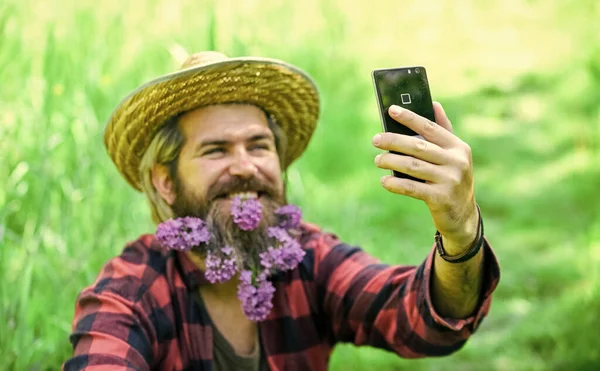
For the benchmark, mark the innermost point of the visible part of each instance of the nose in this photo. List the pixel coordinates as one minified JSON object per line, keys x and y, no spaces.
{"x":242,"y":165}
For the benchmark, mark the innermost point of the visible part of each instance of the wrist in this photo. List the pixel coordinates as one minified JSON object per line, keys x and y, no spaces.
{"x":455,"y":248}
{"x":457,"y":243}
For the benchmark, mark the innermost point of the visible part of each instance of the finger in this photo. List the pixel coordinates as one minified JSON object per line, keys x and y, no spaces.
{"x":426,"y":128}
{"x":441,"y":118}
{"x":411,"y":166}
{"x":412,"y":146}
{"x":407,"y":187}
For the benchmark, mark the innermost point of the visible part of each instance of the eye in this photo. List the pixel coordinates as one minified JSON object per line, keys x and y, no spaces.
{"x":256,"y":147}
{"x":213,"y":151}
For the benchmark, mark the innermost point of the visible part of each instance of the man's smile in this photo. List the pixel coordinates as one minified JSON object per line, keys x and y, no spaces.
{"x":243,"y":195}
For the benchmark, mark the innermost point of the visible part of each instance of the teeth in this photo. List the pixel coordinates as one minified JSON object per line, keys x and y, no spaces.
{"x":244,"y":195}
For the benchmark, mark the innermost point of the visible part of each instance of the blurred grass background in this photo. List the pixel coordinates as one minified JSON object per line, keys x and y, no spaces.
{"x":519,"y":78}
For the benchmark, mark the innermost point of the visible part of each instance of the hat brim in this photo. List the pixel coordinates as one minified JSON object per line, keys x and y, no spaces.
{"x":284,"y":91}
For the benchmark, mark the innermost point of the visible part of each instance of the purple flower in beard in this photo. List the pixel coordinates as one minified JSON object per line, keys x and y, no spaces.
{"x":279,"y":234}
{"x":182,"y":233}
{"x":289,"y":216}
{"x":246,"y":213}
{"x":271,"y":258}
{"x":220,"y":267}
{"x":257,"y":298}
{"x":286,"y":256}
{"x":282,"y":258}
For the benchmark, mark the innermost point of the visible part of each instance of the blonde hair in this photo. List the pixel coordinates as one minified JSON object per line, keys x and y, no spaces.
{"x":165,"y":149}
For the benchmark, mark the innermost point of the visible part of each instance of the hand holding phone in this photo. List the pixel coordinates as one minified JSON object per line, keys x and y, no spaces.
{"x":430,"y":163}
{"x":406,"y":87}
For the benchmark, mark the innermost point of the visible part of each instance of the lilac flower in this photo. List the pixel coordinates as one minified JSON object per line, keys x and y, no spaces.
{"x":286,"y":256}
{"x":246,"y":213}
{"x":282,"y":258}
{"x":280,"y":234}
{"x":291,"y":255}
{"x":289,"y":216}
{"x":182,"y":233}
{"x":220,"y":268}
{"x":271,"y":258}
{"x":257,"y":298}
{"x":246,"y":277}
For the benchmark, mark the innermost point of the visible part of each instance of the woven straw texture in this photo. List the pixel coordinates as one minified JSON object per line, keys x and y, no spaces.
{"x":284,"y":91}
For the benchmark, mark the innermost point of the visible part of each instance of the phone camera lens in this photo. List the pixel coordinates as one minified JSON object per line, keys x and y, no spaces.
{"x":417,"y":70}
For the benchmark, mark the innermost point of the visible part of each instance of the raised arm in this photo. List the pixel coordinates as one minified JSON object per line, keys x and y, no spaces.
{"x":391,"y":307}
{"x":444,"y":162}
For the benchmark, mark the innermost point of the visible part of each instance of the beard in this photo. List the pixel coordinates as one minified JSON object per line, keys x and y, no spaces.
{"x":246,"y":245}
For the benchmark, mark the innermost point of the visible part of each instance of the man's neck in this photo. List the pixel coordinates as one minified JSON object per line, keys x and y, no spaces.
{"x":226,"y":290}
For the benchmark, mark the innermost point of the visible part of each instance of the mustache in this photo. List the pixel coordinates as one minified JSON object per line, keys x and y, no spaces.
{"x":237,"y":185}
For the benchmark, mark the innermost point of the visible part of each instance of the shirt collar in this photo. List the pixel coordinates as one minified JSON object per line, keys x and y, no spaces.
{"x":193,"y":276}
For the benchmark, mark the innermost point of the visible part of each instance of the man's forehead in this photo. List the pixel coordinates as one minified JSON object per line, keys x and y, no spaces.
{"x":225,"y":121}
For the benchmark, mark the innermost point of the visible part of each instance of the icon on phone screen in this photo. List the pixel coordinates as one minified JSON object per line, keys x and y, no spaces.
{"x":405,"y":98}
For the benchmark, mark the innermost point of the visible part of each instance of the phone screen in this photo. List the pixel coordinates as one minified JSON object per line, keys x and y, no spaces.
{"x":404,"y":87}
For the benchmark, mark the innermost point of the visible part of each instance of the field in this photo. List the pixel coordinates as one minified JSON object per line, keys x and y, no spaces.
{"x":519,"y":79}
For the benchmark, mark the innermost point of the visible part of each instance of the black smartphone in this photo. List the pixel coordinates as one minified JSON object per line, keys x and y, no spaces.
{"x":406,"y":87}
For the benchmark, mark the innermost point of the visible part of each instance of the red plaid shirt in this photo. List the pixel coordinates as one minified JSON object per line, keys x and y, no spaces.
{"x":140,"y":313}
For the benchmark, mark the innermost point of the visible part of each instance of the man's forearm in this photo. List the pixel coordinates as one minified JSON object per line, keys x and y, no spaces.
{"x":456,"y":287}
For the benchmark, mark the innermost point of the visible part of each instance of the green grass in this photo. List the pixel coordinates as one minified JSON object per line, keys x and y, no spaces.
{"x":520,"y":81}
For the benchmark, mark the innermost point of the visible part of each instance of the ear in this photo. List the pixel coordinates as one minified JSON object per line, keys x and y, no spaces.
{"x":163,"y":183}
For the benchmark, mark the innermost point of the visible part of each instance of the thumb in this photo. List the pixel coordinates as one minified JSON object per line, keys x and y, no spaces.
{"x":440,"y":117}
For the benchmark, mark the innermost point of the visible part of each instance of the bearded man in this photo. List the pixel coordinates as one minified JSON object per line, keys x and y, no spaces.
{"x":220,"y":133}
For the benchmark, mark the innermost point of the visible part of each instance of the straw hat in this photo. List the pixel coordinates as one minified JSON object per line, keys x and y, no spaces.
{"x":287,"y":93}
